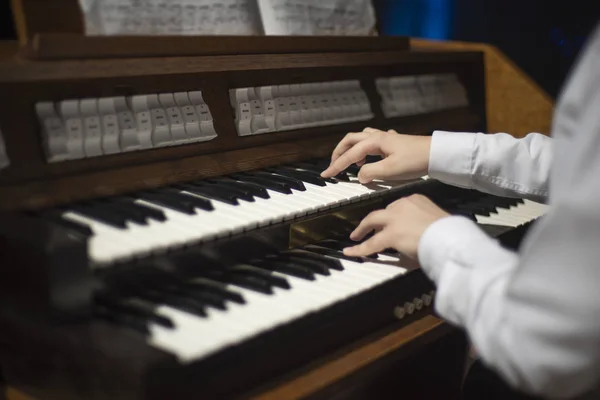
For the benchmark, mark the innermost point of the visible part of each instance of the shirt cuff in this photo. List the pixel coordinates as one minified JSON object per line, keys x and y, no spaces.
{"x":451,"y":157}
{"x":440,"y":243}
{"x":452,"y":252}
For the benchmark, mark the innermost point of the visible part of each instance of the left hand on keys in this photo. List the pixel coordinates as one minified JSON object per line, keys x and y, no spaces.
{"x":400,"y":226}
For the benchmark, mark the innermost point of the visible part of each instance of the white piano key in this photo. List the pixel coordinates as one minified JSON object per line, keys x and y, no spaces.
{"x":107,"y":243}
{"x":238,"y":220}
{"x":196,"y":337}
{"x":181,"y":221}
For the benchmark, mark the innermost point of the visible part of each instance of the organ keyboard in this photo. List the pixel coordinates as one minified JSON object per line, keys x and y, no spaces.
{"x":165,"y":216}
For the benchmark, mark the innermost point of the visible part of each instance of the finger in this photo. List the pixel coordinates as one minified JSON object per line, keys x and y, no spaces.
{"x":378,"y":170}
{"x":361,"y":162}
{"x":374,"y":245}
{"x":344,"y":145}
{"x":357,"y":153}
{"x":347,"y":142}
{"x":374,"y":221}
{"x":371,"y":130}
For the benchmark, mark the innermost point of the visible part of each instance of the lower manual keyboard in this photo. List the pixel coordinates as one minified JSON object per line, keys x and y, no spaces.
{"x":216,"y":306}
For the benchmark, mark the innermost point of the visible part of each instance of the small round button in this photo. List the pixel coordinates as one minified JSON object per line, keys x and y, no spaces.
{"x":399,"y":312}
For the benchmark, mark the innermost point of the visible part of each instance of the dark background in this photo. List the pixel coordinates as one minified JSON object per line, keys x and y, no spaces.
{"x":542,"y":36}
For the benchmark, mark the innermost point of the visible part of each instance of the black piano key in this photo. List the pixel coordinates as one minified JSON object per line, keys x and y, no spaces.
{"x":56,"y":217}
{"x":318,"y":168}
{"x":473,"y":208}
{"x":245,"y":248}
{"x":340,"y":246}
{"x":204,"y":297}
{"x":274,"y":280}
{"x":101,"y":215}
{"x":217,"y":288}
{"x":318,"y":267}
{"x":292,"y":182}
{"x":129,"y":213}
{"x":353,"y":170}
{"x":209,"y":297}
{"x":323,"y":164}
{"x":211,"y":192}
{"x":306,"y":166}
{"x":173,"y":300}
{"x":388,"y":252}
{"x":171,"y":202}
{"x":285,"y":268}
{"x":132,"y":321}
{"x":144,"y":285}
{"x":311,"y":171}
{"x":299,"y":175}
{"x":264,"y":183}
{"x":250,"y":188}
{"x":332,"y":253}
{"x":196,"y":201}
{"x":465,"y":214}
{"x":501,"y":202}
{"x":238,"y":192}
{"x":332,"y":263}
{"x":133,"y":306}
{"x":236,"y":278}
{"x":169,"y":283}
{"x":149,"y":212}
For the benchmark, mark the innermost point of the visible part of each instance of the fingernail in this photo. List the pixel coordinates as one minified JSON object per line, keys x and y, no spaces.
{"x":348,"y":251}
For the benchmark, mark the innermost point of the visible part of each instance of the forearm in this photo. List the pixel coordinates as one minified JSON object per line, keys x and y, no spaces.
{"x":494,"y":163}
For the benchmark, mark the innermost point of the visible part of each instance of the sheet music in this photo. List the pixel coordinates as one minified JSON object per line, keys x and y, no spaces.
{"x":171,"y":17}
{"x":4,"y":161}
{"x":317,"y":17}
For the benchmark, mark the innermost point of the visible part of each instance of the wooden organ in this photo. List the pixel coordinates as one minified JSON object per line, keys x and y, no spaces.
{"x":165,"y":233}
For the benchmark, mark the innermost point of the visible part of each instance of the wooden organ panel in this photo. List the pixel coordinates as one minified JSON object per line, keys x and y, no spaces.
{"x":80,"y":132}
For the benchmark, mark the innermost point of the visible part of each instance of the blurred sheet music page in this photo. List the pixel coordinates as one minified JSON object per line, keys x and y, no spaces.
{"x":317,"y":17}
{"x":171,"y":17}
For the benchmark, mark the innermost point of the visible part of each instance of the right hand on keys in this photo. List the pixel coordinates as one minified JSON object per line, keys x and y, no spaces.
{"x":404,"y":156}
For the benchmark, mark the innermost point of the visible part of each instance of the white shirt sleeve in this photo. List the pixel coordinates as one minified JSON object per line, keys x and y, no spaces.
{"x":497,"y":164}
{"x":534,"y":316}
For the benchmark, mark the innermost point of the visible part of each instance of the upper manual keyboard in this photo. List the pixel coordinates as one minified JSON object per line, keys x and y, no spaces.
{"x":153,"y":221}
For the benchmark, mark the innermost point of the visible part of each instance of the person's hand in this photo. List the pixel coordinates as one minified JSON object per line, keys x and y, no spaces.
{"x":400,"y":226}
{"x":404,"y":156}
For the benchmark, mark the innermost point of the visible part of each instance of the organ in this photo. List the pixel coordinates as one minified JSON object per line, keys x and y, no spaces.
{"x":165,"y":230}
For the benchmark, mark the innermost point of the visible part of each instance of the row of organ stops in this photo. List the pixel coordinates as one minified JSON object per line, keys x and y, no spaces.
{"x":91,"y":127}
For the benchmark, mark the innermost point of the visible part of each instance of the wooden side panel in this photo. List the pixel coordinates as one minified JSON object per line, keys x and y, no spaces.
{"x":346,"y":363}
